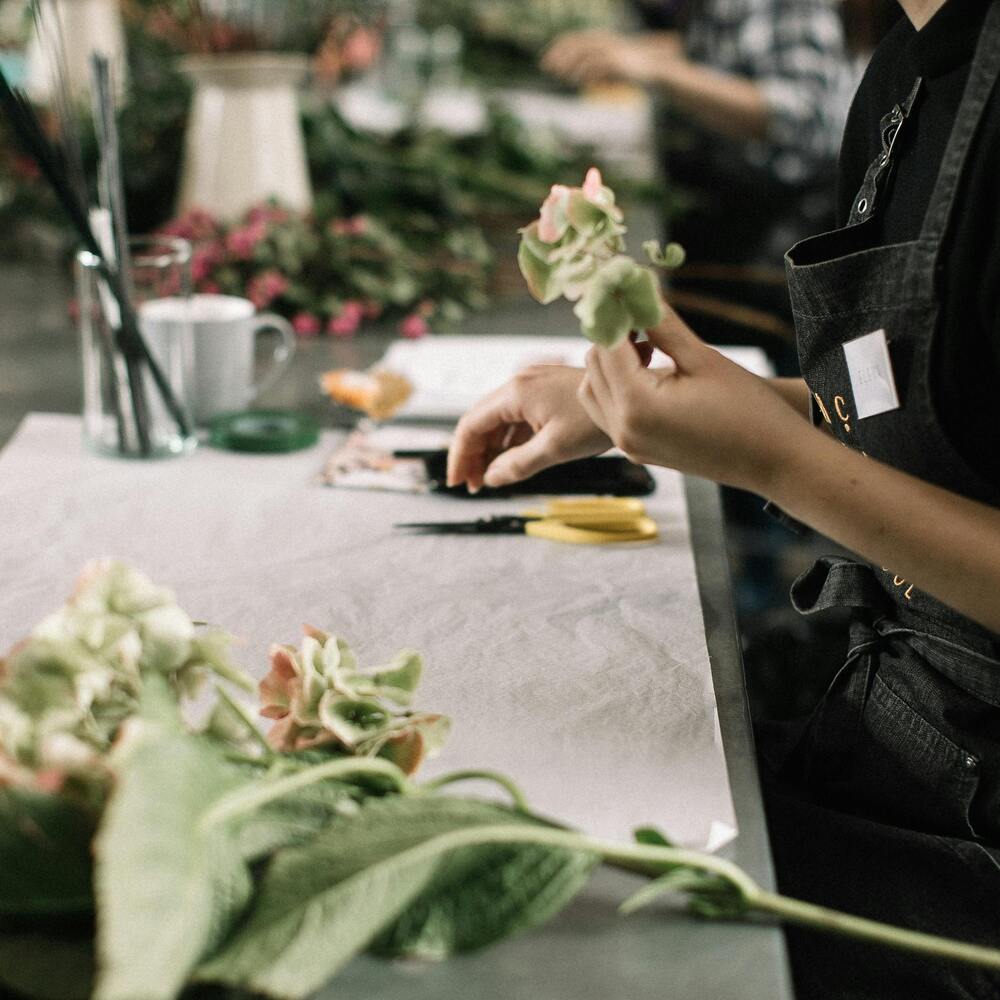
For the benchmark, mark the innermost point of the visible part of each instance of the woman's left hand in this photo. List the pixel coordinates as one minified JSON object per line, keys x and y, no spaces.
{"x":710,"y":417}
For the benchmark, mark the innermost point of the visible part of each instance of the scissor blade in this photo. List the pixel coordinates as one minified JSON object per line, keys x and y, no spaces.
{"x":500,"y":525}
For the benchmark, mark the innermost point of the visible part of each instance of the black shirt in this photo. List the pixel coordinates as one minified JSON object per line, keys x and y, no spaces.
{"x":966,"y":352}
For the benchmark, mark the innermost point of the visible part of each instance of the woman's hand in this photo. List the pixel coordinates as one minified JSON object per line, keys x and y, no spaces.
{"x":710,"y":417}
{"x":534,"y":421}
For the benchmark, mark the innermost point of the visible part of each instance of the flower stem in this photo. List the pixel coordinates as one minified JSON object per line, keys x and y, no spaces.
{"x":794,"y":911}
{"x":251,"y":727}
{"x":247,"y":799}
{"x":516,"y":795}
{"x":791,"y":910}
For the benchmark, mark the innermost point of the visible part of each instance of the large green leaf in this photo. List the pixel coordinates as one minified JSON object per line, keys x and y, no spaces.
{"x":322,"y":903}
{"x":168,"y":883}
{"x":45,"y":865}
{"x":482,"y":894}
{"x":295,"y":818}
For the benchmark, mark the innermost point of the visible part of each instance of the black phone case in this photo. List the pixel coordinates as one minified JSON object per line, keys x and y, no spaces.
{"x":605,"y":475}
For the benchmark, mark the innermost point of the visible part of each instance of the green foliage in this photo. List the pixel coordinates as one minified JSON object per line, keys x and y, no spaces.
{"x":45,"y":864}
{"x":396,"y":865}
{"x":168,"y":885}
{"x":503,"y":38}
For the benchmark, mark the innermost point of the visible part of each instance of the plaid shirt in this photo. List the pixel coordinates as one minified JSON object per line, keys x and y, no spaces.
{"x":795,"y":51}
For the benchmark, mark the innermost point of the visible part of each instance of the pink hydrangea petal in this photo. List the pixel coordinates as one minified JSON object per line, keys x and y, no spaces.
{"x":552,"y":217}
{"x":593,"y":184}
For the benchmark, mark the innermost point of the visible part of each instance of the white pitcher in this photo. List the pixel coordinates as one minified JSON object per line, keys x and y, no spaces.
{"x":244,"y":140}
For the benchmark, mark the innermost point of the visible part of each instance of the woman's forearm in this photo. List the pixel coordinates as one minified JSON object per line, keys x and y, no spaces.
{"x":728,"y":104}
{"x":793,"y":391}
{"x":936,"y":540}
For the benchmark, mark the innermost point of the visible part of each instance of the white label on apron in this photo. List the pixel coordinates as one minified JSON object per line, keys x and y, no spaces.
{"x":870,"y":369}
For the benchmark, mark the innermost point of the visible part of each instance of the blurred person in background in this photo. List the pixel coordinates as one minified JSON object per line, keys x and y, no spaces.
{"x":757,"y":94}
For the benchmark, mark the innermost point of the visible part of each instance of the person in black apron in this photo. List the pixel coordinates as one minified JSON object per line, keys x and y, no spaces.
{"x":887,"y":804}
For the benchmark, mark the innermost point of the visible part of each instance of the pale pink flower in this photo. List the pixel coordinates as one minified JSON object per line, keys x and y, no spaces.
{"x":196,"y":224}
{"x":414,"y":326}
{"x":205,"y":259}
{"x":266,"y":287}
{"x":347,"y":321}
{"x":267,"y":213}
{"x":306,"y":324}
{"x":593,"y":185}
{"x":242,"y":243}
{"x":553,"y":221}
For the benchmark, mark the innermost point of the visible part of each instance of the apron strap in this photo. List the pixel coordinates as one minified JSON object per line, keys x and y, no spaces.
{"x":880,"y":169}
{"x":982,"y":78}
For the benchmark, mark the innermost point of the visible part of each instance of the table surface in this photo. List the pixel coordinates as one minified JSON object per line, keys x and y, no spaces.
{"x":588,"y":951}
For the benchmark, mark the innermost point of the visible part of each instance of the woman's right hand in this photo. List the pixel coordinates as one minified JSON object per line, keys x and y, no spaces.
{"x":532,"y":422}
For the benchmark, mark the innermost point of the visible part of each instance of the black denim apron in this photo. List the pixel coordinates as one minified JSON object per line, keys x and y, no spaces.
{"x":889,"y":805}
{"x":909,"y":731}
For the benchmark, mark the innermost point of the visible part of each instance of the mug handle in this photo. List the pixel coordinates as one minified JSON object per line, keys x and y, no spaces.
{"x":282,"y":356}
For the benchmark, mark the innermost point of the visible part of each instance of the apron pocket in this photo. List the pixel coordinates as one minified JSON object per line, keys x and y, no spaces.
{"x":910,"y":773}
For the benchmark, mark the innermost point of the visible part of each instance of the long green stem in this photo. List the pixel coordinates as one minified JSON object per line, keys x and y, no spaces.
{"x":819,"y":917}
{"x":246,"y":800}
{"x":251,"y":727}
{"x":516,"y":795}
{"x":755,"y":898}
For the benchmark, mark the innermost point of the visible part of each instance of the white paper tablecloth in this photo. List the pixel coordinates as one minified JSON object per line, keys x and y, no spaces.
{"x":580,"y":671}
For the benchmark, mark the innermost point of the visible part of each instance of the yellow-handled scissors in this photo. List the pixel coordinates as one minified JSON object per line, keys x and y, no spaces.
{"x":584,"y":521}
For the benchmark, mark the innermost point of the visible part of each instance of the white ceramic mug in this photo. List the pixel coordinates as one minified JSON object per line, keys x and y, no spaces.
{"x":224,"y":331}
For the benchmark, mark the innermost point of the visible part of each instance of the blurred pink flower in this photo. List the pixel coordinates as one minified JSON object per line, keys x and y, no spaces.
{"x":347,"y":321}
{"x":209,"y":288}
{"x":360,"y":49}
{"x":205,"y":259}
{"x":266,"y":287}
{"x":357,"y":225}
{"x":267,"y":213}
{"x":196,"y":225}
{"x":414,"y":326}
{"x":306,"y":324}
{"x":242,"y":243}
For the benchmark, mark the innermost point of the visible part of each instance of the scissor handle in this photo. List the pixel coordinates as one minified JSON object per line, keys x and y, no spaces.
{"x":634,"y":529}
{"x":618,"y":507}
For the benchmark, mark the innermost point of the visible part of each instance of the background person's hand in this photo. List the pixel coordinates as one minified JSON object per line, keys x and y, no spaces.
{"x":597,"y":56}
{"x":534,"y":421}
{"x":710,"y":417}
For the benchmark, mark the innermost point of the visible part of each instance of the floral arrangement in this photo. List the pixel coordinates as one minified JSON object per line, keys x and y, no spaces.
{"x":214,"y":854}
{"x":330,"y":274}
{"x":575,"y":250}
{"x":503,"y":38}
{"x":208,"y":26}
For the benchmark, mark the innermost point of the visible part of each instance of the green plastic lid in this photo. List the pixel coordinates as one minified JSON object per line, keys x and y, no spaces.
{"x":263,"y":431}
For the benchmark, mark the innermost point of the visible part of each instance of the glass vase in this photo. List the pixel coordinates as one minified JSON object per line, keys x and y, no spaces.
{"x":136,"y":377}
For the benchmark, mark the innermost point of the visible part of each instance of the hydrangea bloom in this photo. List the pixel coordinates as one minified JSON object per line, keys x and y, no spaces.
{"x":66,"y":689}
{"x":319,"y":698}
{"x":574,"y":249}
